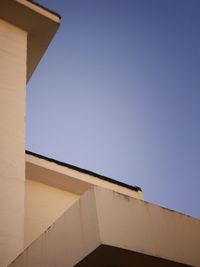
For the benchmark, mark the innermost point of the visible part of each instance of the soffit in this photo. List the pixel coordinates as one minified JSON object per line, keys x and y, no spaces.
{"x":105,"y":256}
{"x":40,"y":23}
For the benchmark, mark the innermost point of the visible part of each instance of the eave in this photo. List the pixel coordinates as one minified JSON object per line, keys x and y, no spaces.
{"x":40,"y":24}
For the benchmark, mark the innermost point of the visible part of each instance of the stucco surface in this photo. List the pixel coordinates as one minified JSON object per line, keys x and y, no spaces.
{"x":43,"y":206}
{"x":13,"y":43}
{"x":55,"y":179}
{"x":72,"y":237}
{"x":140,"y":226}
{"x":102,"y":216}
{"x":37,"y":21}
{"x":76,"y":181}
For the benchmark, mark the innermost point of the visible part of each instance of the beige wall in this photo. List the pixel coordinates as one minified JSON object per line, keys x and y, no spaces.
{"x":43,"y":206}
{"x":140,"y":226}
{"x":56,"y":175}
{"x":102,"y":216}
{"x":73,"y":236}
{"x":12,"y":139}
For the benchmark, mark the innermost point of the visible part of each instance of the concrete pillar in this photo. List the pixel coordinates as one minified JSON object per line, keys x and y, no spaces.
{"x":13,"y":47}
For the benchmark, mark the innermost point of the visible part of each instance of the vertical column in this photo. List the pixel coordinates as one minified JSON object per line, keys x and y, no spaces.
{"x":13,"y":47}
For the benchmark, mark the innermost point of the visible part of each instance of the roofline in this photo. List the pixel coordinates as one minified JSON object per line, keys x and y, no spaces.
{"x":47,"y":9}
{"x":102,"y":177}
{"x":38,"y":22}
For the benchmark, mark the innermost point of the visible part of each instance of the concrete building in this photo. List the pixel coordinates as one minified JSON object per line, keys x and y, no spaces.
{"x":55,"y":214}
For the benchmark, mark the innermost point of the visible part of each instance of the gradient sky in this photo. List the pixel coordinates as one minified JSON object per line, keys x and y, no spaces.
{"x":118,"y":93}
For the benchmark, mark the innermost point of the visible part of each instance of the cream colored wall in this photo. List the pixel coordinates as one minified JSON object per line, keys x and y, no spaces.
{"x":102,"y":216}
{"x":43,"y":206}
{"x":73,"y":236}
{"x":13,"y":43}
{"x":143,"y":227}
{"x":73,"y":177}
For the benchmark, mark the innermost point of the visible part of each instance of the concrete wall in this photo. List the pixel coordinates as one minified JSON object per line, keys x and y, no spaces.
{"x":140,"y":226}
{"x":43,"y":206}
{"x":73,"y":236}
{"x":13,"y":42}
{"x":102,"y":216}
{"x":37,"y":168}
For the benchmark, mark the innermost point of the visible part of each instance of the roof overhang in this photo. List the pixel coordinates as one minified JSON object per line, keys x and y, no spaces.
{"x":117,"y":257}
{"x":40,"y":23}
{"x":71,"y":178}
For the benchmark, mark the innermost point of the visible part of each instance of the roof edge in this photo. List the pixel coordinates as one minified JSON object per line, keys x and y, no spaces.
{"x":45,"y":8}
{"x":102,"y":177}
{"x":38,"y":8}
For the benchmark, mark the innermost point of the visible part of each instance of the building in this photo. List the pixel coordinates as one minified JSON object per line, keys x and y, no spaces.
{"x":55,"y":214}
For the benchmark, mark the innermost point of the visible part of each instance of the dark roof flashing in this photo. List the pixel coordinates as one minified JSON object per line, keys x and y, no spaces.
{"x":43,"y":7}
{"x":134,"y":188}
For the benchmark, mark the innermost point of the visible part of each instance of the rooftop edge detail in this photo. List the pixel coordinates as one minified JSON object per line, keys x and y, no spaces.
{"x":105,"y":178}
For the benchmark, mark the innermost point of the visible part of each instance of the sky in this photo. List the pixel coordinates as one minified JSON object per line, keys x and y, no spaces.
{"x":118,"y":93}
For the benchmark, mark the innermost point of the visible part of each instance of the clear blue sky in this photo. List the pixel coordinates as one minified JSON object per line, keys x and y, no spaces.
{"x":118,"y":93}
